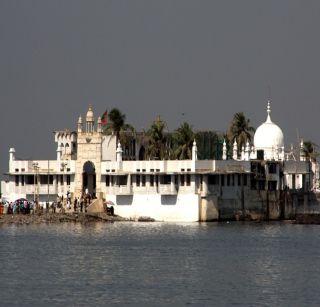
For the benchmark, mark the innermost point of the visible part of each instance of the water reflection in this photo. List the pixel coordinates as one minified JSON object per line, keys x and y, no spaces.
{"x":160,"y":263}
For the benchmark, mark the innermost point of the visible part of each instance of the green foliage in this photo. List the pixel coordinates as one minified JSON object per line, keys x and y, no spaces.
{"x":182,"y":140}
{"x":209,"y":145}
{"x":240,"y":130}
{"x":310,"y":150}
{"x":158,"y":141}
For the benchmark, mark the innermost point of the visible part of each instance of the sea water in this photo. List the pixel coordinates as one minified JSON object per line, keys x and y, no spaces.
{"x":245,"y":264}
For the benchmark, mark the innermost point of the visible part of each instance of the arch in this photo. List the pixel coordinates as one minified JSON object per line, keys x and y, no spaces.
{"x":89,"y":179}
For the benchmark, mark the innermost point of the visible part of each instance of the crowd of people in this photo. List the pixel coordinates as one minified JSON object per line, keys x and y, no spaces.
{"x":61,"y":205}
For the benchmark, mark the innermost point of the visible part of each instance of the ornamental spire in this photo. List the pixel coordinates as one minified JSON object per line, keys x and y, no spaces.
{"x":269,"y":112}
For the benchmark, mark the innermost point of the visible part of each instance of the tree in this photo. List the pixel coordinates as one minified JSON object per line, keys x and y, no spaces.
{"x":240,"y":130}
{"x":125,"y":133}
{"x":117,"y":125}
{"x":209,"y":145}
{"x":183,"y":138}
{"x":310,"y":152}
{"x":158,"y":141}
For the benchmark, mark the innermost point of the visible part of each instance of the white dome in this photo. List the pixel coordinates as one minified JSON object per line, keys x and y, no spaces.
{"x":268,"y":136}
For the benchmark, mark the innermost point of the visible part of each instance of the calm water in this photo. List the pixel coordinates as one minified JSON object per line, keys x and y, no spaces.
{"x":158,"y":263}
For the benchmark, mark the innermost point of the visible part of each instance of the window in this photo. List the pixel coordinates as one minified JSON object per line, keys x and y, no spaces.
{"x":122,"y":180}
{"x":143,"y":180}
{"x":213,"y":180}
{"x":245,"y":180}
{"x":239,"y":179}
{"x":222,"y":180}
{"x":151,"y":180}
{"x":166,"y":179}
{"x":107,"y":180}
{"x":68,"y":179}
{"x":181,"y":180}
{"x":228,"y":180}
{"x":17,"y":170}
{"x":272,"y":168}
{"x":61,"y":179}
{"x":138,"y":180}
{"x":30,"y":179}
{"x":17,"y":180}
{"x":22,"y":180}
{"x":188,"y":180}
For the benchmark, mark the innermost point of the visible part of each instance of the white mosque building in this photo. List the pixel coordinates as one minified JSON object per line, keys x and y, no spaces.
{"x":166,"y":190}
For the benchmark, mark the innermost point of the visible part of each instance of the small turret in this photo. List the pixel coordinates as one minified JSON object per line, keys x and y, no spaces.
{"x":302,"y":152}
{"x":12,"y":155}
{"x":224,"y":150}
{"x":80,"y":124}
{"x":235,"y":150}
{"x":59,"y":152}
{"x":247,"y":152}
{"x":242,"y":153}
{"x":194,"y":151}
{"x":89,"y":121}
{"x":99,"y":128}
{"x":119,"y":153}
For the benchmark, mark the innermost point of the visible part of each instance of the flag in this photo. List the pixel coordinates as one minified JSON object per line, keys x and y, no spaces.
{"x":104,"y":119}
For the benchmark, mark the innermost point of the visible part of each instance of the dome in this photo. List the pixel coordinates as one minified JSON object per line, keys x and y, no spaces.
{"x":268,"y":136}
{"x":89,"y":117}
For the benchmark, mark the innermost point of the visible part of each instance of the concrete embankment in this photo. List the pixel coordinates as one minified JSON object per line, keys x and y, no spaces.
{"x":21,"y":219}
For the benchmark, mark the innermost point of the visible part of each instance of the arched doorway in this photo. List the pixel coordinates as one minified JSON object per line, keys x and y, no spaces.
{"x":89,"y":179}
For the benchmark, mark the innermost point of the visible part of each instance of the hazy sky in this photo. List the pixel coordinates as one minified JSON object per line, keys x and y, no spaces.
{"x":207,"y":59}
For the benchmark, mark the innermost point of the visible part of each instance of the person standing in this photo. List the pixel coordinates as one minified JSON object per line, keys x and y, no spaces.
{"x":81,"y":204}
{"x":75,"y":204}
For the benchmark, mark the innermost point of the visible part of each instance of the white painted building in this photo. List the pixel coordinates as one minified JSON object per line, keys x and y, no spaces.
{"x":168,"y":190}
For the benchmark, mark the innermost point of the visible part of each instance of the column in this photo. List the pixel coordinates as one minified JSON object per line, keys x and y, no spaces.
{"x":205,"y":184}
{"x":172,"y":187}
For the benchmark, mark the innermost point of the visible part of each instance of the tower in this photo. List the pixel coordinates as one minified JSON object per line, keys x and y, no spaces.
{"x":89,"y":156}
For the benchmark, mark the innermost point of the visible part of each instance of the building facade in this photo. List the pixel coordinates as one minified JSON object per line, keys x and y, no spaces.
{"x":168,"y":190}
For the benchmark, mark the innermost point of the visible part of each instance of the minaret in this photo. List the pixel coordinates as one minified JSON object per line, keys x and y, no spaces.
{"x":242,"y":153}
{"x":80,"y":124}
{"x":194,"y":151}
{"x":12,"y":152}
{"x":90,"y":121}
{"x":247,"y":152}
{"x":119,"y":153}
{"x":99,"y":128}
{"x":235,"y":150}
{"x":253,"y":153}
{"x":59,"y":151}
{"x":302,"y":153}
{"x":224,"y":150}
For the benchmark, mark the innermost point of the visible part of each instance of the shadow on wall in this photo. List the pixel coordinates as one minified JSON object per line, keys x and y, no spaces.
{"x":124,"y":200}
{"x":170,"y":200}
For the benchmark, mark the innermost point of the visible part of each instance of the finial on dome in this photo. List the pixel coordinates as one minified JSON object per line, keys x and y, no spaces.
{"x":269,"y":112}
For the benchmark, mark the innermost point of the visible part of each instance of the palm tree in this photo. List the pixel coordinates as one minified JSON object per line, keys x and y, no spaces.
{"x":310,"y":152}
{"x":157,"y":140}
{"x":116,"y":122}
{"x":240,"y":130}
{"x":125,"y":133}
{"x":183,"y":138}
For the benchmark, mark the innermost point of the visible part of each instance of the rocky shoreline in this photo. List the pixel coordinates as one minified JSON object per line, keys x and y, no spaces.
{"x":51,"y":218}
